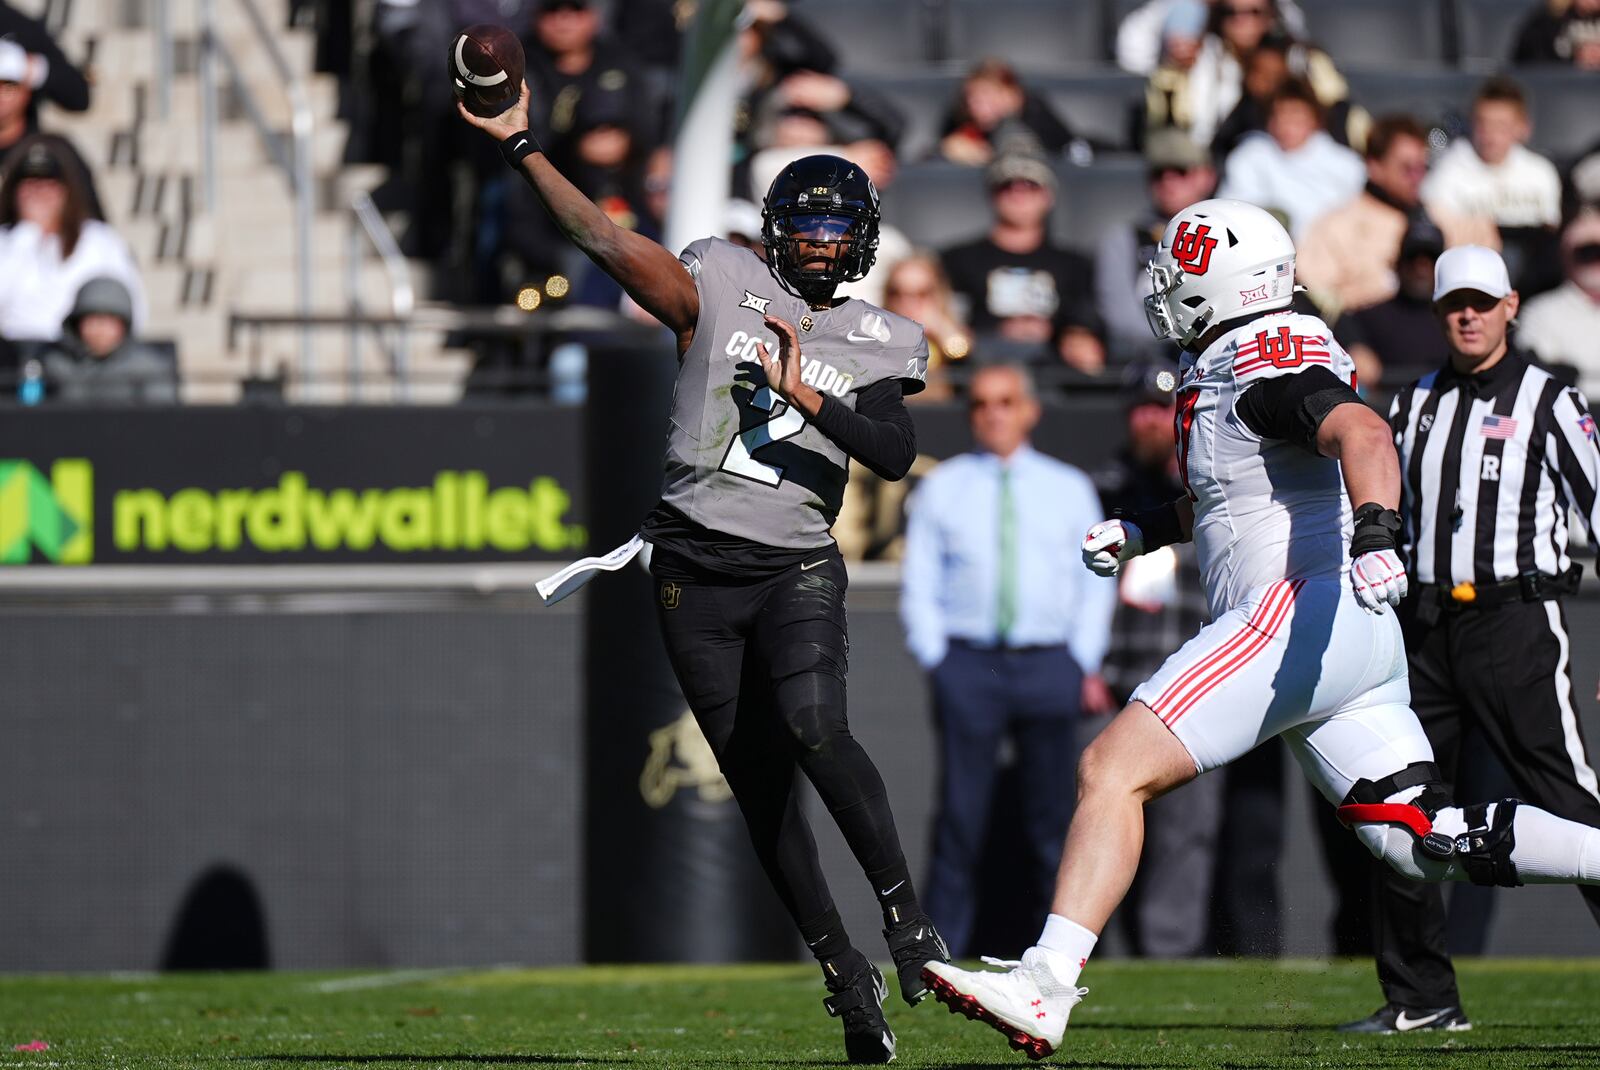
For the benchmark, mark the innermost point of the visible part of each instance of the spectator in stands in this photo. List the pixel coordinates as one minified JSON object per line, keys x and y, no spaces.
{"x":1267,"y":70}
{"x":589,"y":106}
{"x":837,"y":113}
{"x":1563,"y":326}
{"x":1295,"y":166}
{"x":652,"y":30}
{"x":1017,"y":284}
{"x":1139,"y":34}
{"x":1179,"y":174}
{"x":1166,"y":94}
{"x":991,"y":105}
{"x":792,"y":74}
{"x":51,"y":76}
{"x":1495,"y":174}
{"x":1347,"y":257}
{"x":1216,"y":82}
{"x":49,"y":245}
{"x":1563,"y":31}
{"x":1399,"y":338}
{"x":916,"y":287}
{"x":98,"y":360}
{"x":1080,"y":345}
{"x":18,"y":72}
{"x":580,"y":82}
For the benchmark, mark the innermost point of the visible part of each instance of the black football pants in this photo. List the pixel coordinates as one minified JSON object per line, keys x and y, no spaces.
{"x":762,"y":664}
{"x":1509,"y":671}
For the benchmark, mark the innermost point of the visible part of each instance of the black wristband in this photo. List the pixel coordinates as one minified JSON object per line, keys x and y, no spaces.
{"x":1377,"y":528}
{"x":1159,"y":527}
{"x":520,"y":146}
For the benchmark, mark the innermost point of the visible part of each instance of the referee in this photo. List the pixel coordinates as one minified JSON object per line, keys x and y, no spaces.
{"x":1495,"y":454}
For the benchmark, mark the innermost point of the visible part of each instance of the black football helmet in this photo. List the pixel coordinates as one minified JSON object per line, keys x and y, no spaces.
{"x":814,"y":203}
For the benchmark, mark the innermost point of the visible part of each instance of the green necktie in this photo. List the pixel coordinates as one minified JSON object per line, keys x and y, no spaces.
{"x":1006,"y":606}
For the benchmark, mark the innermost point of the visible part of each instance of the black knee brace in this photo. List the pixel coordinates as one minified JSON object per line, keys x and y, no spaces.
{"x":1483,"y":851}
{"x":1367,"y":802}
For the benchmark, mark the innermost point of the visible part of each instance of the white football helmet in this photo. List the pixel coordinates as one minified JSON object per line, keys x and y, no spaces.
{"x":1217,"y":259}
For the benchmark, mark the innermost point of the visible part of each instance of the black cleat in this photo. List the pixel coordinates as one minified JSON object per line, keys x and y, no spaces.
{"x":859,"y":1001}
{"x":1392,"y":1018}
{"x":914,"y":944}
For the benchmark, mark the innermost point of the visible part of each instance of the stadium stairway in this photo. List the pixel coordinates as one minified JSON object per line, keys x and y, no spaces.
{"x":201,"y":269}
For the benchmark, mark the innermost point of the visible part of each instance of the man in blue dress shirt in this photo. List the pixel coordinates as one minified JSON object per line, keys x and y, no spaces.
{"x":1011,"y":631}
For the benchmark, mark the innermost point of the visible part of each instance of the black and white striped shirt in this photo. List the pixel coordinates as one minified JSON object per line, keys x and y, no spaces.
{"x":1491,"y":464}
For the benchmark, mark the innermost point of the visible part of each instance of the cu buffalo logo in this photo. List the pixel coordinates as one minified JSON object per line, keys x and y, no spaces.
{"x":1192,"y":248}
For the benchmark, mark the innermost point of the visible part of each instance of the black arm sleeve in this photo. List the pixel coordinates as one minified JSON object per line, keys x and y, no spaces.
{"x":879,"y":433}
{"x":1292,"y":407}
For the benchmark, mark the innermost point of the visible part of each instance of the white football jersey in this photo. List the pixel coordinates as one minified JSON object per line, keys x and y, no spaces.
{"x":1264,"y":510}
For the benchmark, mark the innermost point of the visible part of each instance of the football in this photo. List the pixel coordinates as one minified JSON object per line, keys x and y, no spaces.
{"x":486,"y":68}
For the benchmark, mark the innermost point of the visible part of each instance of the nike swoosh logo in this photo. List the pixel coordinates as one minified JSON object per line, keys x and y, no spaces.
{"x":921,"y":933}
{"x":521,"y":141}
{"x":1405,"y":1024}
{"x":808,"y":568}
{"x":853,"y":336}
{"x":897,"y":884}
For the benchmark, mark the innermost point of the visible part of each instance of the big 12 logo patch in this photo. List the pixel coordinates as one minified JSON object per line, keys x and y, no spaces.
{"x":1192,"y":248}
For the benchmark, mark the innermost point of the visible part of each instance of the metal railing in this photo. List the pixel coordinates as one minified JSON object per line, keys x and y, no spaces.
{"x":294,"y":162}
{"x":394,"y":338}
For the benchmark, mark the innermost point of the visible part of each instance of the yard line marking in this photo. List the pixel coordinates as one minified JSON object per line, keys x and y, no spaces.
{"x":387,"y":979}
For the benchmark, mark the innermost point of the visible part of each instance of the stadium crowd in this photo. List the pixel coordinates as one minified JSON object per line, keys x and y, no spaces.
{"x":1010,"y":151}
{"x":72,"y":300}
{"x":1009,"y":179}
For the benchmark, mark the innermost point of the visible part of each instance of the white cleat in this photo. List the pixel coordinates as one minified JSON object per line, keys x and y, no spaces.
{"x":1026,"y":1002}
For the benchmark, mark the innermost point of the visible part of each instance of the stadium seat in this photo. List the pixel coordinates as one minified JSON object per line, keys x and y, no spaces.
{"x":1098,"y":107}
{"x":1438,"y":98}
{"x":1565,"y":108}
{"x":1486,"y":30}
{"x":871,"y":36}
{"x":923,"y":100}
{"x":1033,"y":35}
{"x":1377,"y":31}
{"x":937,"y":205}
{"x":1110,"y":192}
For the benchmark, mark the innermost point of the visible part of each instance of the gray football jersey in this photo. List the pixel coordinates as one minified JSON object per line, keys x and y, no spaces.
{"x":740,"y":460}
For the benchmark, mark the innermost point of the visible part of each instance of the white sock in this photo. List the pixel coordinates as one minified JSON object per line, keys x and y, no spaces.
{"x":1553,"y":850}
{"x":1069,"y":945}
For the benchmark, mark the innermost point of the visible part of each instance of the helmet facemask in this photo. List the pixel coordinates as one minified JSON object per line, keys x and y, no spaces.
{"x":813,"y":251}
{"x":1181,"y":326}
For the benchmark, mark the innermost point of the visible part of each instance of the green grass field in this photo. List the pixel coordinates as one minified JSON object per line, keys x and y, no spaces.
{"x":1238,"y":1016}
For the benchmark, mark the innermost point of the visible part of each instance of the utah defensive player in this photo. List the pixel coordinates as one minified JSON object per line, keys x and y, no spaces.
{"x":1301,"y":643}
{"x":751,"y":583}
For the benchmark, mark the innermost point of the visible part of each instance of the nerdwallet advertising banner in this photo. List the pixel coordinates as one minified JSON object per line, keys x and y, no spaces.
{"x":296,"y":486}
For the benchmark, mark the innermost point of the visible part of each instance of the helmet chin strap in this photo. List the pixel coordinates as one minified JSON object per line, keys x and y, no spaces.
{"x":817,"y":293}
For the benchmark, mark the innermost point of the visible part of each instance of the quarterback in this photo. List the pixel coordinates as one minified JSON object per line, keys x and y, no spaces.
{"x":751,"y":584}
{"x":1274,"y":447}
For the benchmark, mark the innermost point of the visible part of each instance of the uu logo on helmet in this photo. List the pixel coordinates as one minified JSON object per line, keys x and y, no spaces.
{"x":1192,"y":248}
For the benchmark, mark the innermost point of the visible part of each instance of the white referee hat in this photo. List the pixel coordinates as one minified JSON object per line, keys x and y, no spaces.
{"x":1470,"y":267}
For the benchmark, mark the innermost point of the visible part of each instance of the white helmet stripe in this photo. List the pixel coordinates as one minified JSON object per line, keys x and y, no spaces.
{"x":474,"y":79}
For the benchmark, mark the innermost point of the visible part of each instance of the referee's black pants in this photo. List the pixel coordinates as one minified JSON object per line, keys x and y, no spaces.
{"x":1508,"y":670}
{"x":762,"y":664}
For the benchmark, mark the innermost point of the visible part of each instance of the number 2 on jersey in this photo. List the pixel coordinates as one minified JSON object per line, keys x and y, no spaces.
{"x":786,"y":421}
